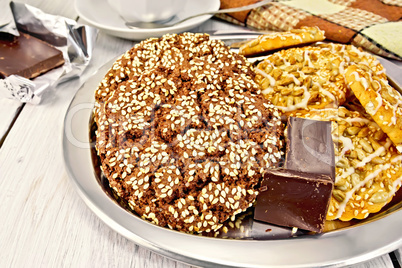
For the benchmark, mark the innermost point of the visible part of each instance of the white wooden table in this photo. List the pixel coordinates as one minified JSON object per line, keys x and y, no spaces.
{"x":43,"y":221}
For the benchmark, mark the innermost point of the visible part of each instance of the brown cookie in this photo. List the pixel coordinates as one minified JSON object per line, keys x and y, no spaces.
{"x":177,"y":131}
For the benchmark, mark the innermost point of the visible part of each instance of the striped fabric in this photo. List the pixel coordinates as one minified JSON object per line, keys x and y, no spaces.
{"x":375,"y":25}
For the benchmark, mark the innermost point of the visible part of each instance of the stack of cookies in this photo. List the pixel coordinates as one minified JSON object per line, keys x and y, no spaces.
{"x":349,"y":87}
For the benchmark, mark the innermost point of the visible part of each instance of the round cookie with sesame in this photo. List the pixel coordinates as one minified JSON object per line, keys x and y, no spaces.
{"x":312,"y":77}
{"x":183,"y":133}
{"x":302,"y":78}
{"x":368,"y":166}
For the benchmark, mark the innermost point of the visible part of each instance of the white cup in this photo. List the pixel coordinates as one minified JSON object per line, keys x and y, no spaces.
{"x":147,"y":10}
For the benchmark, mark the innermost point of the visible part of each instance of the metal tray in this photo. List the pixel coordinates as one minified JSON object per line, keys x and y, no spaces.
{"x":247,"y":244}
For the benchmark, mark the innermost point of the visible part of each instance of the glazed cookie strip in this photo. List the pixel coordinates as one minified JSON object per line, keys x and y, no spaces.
{"x":381,"y":101}
{"x":274,"y":41}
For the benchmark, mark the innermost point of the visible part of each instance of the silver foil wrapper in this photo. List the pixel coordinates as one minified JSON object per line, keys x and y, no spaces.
{"x":7,"y":23}
{"x":75,"y":41}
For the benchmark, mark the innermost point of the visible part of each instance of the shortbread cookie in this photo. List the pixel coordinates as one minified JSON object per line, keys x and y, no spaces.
{"x":183,"y":133}
{"x":380,"y":100}
{"x":303,"y":78}
{"x":274,"y":41}
{"x":368,"y":166}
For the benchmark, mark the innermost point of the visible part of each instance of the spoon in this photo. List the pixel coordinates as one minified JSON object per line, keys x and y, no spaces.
{"x":152,"y":25}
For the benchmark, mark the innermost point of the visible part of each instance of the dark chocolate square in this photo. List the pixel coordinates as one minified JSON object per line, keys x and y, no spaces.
{"x":294,"y":199}
{"x":309,"y":146}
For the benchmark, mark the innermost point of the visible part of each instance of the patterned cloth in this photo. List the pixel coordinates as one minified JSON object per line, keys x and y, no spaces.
{"x":375,"y":25}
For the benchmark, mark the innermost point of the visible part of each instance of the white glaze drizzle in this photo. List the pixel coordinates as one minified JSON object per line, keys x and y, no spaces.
{"x":380,"y":72}
{"x":328,"y":94}
{"x":345,"y":174}
{"x":307,"y":58}
{"x":285,"y":62}
{"x":378,"y":99}
{"x":295,"y":80}
{"x":271,"y":80}
{"x":357,"y":119}
{"x":373,"y":110}
{"x":342,"y":68}
{"x":302,"y":104}
{"x":350,"y":193}
{"x":282,"y":36}
{"x":360,"y":79}
{"x":347,"y":145}
{"x":395,"y":107}
{"x":370,"y":106}
{"x":377,"y":152}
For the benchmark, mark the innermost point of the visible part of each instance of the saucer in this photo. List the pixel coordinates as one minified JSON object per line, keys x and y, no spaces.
{"x":99,"y":14}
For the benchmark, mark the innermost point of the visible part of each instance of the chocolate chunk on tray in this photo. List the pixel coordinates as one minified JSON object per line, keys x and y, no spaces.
{"x":309,"y":147}
{"x":27,"y":56}
{"x":294,"y":199}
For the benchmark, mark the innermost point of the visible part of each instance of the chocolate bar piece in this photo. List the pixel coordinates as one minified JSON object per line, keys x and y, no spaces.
{"x":27,"y":56}
{"x":294,"y":199}
{"x":309,"y":147}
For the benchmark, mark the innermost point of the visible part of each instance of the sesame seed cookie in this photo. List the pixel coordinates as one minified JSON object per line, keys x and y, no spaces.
{"x":183,"y":132}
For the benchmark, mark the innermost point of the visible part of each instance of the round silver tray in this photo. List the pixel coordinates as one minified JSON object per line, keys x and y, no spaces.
{"x":361,"y":241}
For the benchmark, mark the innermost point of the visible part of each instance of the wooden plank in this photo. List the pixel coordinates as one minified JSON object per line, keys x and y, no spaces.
{"x":47,"y":224}
{"x":45,"y":215}
{"x":382,"y":261}
{"x":9,"y":110}
{"x":398,"y":255}
{"x":30,"y":163}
